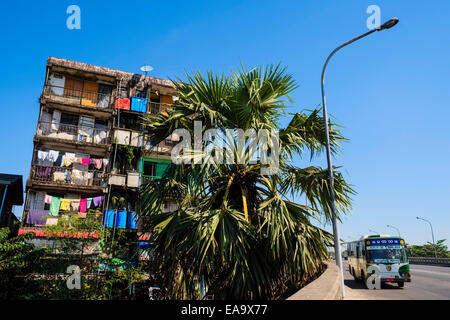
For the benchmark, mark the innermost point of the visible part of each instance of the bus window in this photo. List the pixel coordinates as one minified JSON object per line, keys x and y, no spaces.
{"x":386,"y":254}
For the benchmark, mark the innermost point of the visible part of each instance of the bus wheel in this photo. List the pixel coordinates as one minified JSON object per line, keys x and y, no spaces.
{"x":354,"y":275}
{"x":401,"y":284}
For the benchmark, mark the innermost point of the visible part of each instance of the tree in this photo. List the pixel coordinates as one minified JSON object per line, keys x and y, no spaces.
{"x":17,"y":255}
{"x":235,"y":229}
{"x":427,"y":250}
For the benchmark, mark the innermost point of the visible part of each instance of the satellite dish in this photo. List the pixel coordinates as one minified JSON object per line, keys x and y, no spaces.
{"x":145,"y":68}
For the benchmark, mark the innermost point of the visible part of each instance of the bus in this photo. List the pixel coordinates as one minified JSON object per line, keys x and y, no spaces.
{"x":385,"y":253}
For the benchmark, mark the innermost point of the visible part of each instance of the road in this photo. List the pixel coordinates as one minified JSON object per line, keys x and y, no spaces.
{"x":427,"y":283}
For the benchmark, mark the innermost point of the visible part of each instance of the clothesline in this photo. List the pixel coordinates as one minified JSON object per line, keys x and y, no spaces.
{"x":69,"y":158}
{"x":57,"y":204}
{"x":76,"y":205}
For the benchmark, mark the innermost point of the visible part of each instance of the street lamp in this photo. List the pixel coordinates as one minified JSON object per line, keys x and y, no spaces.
{"x":337,"y":251}
{"x":432,"y":235}
{"x":395,"y":229}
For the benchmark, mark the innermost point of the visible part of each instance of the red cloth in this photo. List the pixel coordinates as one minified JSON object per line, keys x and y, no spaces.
{"x":83,"y":205}
{"x":85,"y":161}
{"x":41,"y":233}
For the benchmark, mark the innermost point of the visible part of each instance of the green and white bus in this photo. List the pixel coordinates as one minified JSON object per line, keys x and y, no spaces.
{"x":383,"y":253}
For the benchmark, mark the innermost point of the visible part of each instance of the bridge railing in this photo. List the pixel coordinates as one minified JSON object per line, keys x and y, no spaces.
{"x":430,"y":260}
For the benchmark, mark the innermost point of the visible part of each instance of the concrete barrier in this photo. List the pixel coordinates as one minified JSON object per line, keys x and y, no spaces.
{"x":326,"y":287}
{"x":445,"y":262}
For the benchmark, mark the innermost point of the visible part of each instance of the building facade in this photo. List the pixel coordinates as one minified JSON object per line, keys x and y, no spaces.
{"x":91,"y":152}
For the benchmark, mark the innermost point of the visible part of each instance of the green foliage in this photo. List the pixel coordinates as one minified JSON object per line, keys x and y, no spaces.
{"x":118,"y":202}
{"x":17,"y":256}
{"x":46,"y":279}
{"x":236,"y":228}
{"x":427,"y":250}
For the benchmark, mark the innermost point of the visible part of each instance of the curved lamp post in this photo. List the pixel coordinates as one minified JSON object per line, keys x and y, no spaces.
{"x":389,"y":24}
{"x":389,"y":226}
{"x":432,"y":235}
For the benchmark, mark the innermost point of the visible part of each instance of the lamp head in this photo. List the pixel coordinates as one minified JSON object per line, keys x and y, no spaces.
{"x":388,"y":24}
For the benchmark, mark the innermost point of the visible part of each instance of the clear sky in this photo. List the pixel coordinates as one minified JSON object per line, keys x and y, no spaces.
{"x":389,"y":91}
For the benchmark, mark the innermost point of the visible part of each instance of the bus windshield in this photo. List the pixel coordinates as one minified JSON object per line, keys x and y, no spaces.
{"x":386,"y":254}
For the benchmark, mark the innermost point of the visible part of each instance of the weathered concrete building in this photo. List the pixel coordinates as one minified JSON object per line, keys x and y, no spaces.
{"x":91,"y":152}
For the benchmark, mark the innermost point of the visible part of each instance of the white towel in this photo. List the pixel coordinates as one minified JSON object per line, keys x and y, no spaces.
{"x":42,"y":155}
{"x":52,"y":155}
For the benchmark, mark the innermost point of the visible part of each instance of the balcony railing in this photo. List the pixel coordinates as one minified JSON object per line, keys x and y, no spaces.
{"x":164,"y":147}
{"x":157,"y":107}
{"x":73,"y":133}
{"x":67,"y":176}
{"x":81,"y":97}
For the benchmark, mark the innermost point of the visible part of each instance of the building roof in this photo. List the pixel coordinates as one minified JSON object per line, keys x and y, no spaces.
{"x":118,"y":74}
{"x":15,"y":187}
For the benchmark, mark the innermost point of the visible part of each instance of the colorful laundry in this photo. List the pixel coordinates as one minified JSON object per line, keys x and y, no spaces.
{"x":52,"y":221}
{"x":82,"y":214}
{"x":59,"y":176}
{"x":44,"y":172}
{"x":35,"y":217}
{"x":47,"y":199}
{"x":54,"y":206}
{"x":98,"y":201}
{"x":85,"y":161}
{"x":68,"y":159}
{"x":83,"y":205}
{"x":75,"y":205}
{"x":52,"y":155}
{"x":42,"y":155}
{"x":89,"y":202}
{"x":65,"y":205}
{"x":98,"y":163}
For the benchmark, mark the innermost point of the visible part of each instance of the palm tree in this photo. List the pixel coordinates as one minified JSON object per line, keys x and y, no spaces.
{"x":235,"y":229}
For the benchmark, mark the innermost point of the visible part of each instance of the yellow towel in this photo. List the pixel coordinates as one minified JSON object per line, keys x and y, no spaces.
{"x":65,"y":205}
{"x":68,"y":161}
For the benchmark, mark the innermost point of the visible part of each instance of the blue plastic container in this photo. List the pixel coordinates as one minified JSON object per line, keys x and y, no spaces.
{"x":138,"y":104}
{"x":121,"y":219}
{"x":108,"y":218}
{"x":132,"y":220}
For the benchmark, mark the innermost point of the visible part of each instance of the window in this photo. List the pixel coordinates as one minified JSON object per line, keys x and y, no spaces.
{"x":69,"y":119}
{"x":130,"y":121}
{"x":141,"y":93}
{"x":122,"y":93}
{"x":149,"y":168}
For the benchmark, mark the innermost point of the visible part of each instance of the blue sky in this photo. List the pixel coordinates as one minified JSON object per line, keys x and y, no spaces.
{"x":389,"y":91}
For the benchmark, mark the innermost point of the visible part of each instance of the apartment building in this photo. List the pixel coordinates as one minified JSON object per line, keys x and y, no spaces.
{"x":91,"y":152}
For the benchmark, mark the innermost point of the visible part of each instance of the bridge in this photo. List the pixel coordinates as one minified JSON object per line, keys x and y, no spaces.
{"x":430,"y":281}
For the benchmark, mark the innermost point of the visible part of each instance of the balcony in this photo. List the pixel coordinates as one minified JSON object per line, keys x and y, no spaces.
{"x":66,"y":176}
{"x":83,"y":98}
{"x":164,"y":147}
{"x":73,"y":133}
{"x":158,"y":107}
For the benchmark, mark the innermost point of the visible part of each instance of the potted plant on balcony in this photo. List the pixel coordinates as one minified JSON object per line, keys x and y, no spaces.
{"x":127,"y":156}
{"x":118,"y":202}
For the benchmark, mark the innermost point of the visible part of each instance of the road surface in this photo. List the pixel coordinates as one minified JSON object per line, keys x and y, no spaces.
{"x":427,"y":283}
